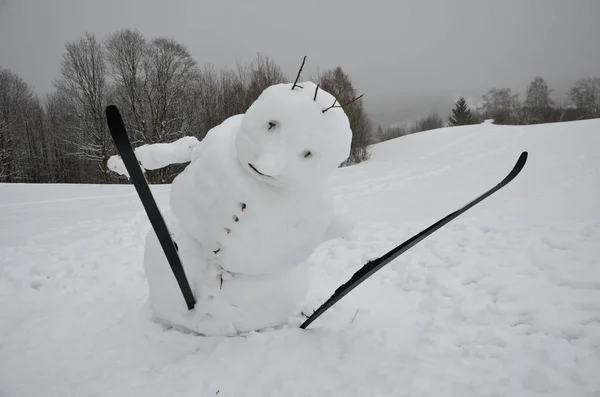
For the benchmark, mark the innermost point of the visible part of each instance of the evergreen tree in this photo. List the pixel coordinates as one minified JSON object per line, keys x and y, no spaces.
{"x":461,"y":114}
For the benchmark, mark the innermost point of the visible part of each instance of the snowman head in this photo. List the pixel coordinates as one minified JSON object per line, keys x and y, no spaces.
{"x":287,"y":138}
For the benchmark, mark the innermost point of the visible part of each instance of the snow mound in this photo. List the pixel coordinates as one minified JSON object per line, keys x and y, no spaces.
{"x":502,"y":301}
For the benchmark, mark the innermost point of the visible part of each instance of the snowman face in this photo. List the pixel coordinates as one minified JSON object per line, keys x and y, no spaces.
{"x":286,"y":138}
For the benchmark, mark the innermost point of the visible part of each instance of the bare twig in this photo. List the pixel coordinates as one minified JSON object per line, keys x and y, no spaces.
{"x":298,"y":76}
{"x":316,"y":90}
{"x":341,"y":106}
{"x":335,"y":99}
{"x":354,"y":317}
{"x":355,"y":99}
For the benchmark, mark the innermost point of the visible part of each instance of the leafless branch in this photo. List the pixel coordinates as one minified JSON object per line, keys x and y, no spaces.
{"x":341,"y":106}
{"x":298,"y":76}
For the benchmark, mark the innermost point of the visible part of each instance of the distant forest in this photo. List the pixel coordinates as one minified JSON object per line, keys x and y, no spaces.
{"x":164,"y":94}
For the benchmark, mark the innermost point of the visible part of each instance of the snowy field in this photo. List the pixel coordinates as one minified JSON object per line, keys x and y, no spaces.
{"x":503,"y":301}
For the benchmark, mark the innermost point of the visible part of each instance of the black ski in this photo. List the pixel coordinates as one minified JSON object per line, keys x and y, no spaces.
{"x":119,"y":135}
{"x":373,"y":266}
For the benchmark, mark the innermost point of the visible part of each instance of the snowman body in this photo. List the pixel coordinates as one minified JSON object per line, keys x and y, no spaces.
{"x":249,"y":210}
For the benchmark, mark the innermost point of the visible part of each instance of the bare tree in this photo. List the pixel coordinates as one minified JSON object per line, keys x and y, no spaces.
{"x":501,"y":105}
{"x":207,"y":97}
{"x":156,"y":85}
{"x":338,"y":84}
{"x":169,"y":73}
{"x":126,"y":53}
{"x":538,"y":94}
{"x":168,"y":70}
{"x":16,"y":98}
{"x":393,"y":132}
{"x":232,"y":93}
{"x":7,"y":167}
{"x":585,"y":94}
{"x":221,"y":94}
{"x":69,"y":167}
{"x":537,"y":107}
{"x":83,"y":84}
{"x":8,"y":89}
{"x":39,"y":161}
{"x":378,"y":134}
{"x":430,"y":122}
{"x":263,"y":73}
{"x":25,"y":140}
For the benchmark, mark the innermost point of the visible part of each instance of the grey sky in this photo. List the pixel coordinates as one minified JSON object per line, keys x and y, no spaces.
{"x":407,"y":57}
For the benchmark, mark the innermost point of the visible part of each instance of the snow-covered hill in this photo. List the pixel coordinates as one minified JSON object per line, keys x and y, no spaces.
{"x":505,"y":300}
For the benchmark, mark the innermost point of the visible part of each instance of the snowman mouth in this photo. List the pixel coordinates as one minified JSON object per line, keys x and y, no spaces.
{"x":258,"y":172}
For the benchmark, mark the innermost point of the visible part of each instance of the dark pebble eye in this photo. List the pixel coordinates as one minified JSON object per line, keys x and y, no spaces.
{"x":272,"y":124}
{"x":307,"y":154}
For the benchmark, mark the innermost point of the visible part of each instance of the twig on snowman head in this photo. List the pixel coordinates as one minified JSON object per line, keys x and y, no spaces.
{"x":335,"y":99}
{"x":298,"y":76}
{"x":316,"y":89}
{"x":341,"y":106}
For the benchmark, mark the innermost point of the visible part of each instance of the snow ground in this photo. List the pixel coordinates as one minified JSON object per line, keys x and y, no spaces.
{"x":503,"y":301}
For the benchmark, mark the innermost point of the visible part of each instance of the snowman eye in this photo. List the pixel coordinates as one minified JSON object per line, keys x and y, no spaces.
{"x":306,"y":154}
{"x":272,"y":124}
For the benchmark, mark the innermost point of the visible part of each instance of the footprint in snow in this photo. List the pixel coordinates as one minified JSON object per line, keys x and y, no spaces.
{"x":36,"y":282}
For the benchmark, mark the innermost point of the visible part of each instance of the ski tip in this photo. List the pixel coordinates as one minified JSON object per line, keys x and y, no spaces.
{"x":519,"y":165}
{"x":116,"y":127}
{"x":114,"y":120}
{"x":112,"y":112}
{"x":112,"y":108}
{"x":523,"y":159}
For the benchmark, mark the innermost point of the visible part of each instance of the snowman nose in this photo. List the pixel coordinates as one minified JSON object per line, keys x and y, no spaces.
{"x":271,"y":163}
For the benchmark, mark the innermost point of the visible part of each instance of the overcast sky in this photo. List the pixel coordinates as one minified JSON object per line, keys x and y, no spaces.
{"x":405,"y":56}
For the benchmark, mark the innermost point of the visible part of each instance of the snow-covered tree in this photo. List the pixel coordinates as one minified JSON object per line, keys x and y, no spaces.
{"x":538,"y":95}
{"x":126,"y":51}
{"x":16,"y":98}
{"x":82,"y":84}
{"x":26,"y":142}
{"x":537,"y":107}
{"x":152,"y":83}
{"x":585,"y":94}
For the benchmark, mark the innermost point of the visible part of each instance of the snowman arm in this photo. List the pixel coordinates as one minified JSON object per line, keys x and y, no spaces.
{"x":158,"y":155}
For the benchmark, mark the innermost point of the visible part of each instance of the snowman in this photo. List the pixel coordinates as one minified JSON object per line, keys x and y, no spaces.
{"x":248,"y":211}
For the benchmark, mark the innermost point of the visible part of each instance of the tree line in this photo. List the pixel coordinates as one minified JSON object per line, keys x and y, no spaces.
{"x":504,"y":107}
{"x":162,"y":92}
